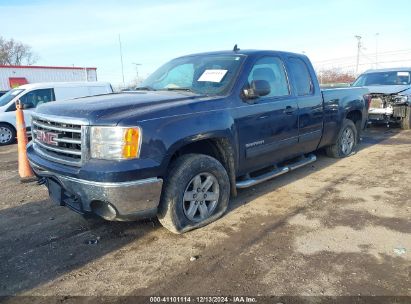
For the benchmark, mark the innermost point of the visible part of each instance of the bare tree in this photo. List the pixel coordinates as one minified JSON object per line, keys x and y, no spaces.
{"x":16,"y":53}
{"x":329,"y":76}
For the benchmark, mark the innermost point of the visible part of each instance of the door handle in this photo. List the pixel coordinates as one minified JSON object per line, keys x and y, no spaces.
{"x":289,"y":110}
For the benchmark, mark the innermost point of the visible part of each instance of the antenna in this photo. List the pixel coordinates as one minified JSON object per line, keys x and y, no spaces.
{"x":235,"y":49}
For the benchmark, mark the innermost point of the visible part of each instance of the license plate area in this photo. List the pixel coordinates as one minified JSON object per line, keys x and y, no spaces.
{"x":55,"y":192}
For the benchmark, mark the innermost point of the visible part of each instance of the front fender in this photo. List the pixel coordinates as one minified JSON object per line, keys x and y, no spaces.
{"x":163,"y":137}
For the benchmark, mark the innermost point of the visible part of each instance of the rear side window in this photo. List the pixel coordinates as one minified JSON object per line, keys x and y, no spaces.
{"x":301,"y":76}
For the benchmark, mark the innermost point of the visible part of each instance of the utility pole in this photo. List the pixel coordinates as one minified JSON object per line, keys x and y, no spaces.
{"x":121,"y":58}
{"x":376,"y":50}
{"x":137,"y":65}
{"x":359,"y":45}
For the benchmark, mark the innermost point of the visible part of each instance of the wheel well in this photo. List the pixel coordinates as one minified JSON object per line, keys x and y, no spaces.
{"x":8,"y":124}
{"x":356,"y":118}
{"x":218,"y":148}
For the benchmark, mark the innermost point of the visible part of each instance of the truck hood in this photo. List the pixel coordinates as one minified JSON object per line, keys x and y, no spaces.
{"x":111,"y":109}
{"x":388,"y":89}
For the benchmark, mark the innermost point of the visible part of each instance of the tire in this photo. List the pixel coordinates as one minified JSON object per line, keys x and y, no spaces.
{"x":179,"y":211}
{"x":7,"y":134}
{"x":406,"y":121}
{"x":347,"y":141}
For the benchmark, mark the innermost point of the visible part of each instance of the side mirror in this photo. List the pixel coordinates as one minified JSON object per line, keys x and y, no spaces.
{"x":257,"y":89}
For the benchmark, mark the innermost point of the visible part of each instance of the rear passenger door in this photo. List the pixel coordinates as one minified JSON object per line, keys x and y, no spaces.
{"x":268,"y":125}
{"x":310,"y":104}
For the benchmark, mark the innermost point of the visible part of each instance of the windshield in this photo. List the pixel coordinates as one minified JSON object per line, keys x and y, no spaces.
{"x":383,"y":78}
{"x":5,"y":99}
{"x":202,"y":74}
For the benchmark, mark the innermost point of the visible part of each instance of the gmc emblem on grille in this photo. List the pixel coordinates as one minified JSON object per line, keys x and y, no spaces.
{"x":47,"y":137}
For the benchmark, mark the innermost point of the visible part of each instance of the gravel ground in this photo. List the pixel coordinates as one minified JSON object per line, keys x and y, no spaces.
{"x":336,"y":227}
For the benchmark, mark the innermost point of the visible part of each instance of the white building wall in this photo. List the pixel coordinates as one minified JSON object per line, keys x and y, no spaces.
{"x":34,"y":75}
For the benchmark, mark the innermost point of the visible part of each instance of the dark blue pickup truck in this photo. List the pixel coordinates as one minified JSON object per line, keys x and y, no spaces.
{"x":197,"y":129}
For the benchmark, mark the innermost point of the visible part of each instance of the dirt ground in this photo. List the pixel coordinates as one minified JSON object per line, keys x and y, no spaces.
{"x":336,"y":227}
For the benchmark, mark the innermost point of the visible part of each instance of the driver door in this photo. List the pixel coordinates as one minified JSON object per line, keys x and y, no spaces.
{"x":268,"y":125}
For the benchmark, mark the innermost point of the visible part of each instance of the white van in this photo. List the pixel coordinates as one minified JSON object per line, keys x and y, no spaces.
{"x":32,"y":95}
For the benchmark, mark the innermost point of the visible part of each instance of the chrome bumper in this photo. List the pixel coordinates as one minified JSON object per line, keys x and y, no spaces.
{"x":112,"y":201}
{"x":381,"y":111}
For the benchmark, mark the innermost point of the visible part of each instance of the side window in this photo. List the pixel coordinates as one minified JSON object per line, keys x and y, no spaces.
{"x":37,"y":97}
{"x":271,"y":69}
{"x":301,"y":77}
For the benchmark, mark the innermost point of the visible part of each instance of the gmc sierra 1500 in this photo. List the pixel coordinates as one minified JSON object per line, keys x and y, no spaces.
{"x":197,"y":129}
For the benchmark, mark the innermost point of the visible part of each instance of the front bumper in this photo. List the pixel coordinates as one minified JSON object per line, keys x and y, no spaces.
{"x":381,"y":111}
{"x":119,"y":201}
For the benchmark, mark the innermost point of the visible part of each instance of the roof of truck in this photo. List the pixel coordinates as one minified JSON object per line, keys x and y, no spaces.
{"x":402,"y":69}
{"x":244,"y":52}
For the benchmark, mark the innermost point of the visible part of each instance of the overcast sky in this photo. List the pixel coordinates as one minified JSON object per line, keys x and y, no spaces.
{"x":85,"y":33}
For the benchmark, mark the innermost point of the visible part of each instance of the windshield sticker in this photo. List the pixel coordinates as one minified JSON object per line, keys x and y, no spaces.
{"x":212,"y":75}
{"x":403,"y":74}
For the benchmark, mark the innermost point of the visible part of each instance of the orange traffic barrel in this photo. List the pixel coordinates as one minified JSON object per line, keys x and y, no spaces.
{"x":25,"y":172}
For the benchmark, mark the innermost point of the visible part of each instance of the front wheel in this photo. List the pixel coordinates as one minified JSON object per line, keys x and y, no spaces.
{"x":7,"y":134}
{"x":196,"y":192}
{"x":346,"y":141}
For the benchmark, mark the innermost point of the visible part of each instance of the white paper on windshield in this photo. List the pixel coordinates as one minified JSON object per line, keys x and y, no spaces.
{"x":212,"y":75}
{"x":403,"y":74}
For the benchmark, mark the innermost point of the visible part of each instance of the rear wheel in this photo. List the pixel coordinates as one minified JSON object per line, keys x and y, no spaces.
{"x":406,"y":121}
{"x":346,"y":142}
{"x":196,"y":192}
{"x":7,"y":134}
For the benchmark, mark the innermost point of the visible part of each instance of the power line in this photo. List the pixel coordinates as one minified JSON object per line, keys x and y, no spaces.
{"x":362,"y":64}
{"x":353,"y":57}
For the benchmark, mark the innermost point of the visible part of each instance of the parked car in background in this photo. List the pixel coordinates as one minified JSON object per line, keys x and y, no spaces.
{"x":197,"y":129}
{"x":2,"y":93}
{"x":390,"y":91}
{"x":33,"y":95}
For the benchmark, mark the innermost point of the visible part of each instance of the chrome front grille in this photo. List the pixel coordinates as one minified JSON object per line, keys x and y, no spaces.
{"x":58,"y":139}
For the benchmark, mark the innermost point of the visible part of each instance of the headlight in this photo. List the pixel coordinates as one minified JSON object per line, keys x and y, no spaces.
{"x":402,"y":99}
{"x":115,"y":142}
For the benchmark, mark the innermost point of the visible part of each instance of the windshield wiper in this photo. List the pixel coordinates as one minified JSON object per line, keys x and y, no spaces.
{"x":180,"y":89}
{"x":146,"y":88}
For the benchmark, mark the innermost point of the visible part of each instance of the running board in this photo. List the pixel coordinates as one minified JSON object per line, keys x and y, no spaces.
{"x":277,"y":172}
